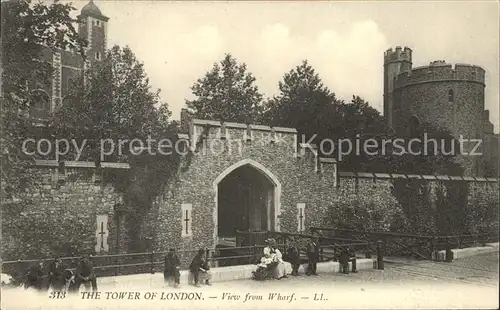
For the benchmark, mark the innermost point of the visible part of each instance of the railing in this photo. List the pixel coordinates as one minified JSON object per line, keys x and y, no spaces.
{"x":420,"y":246}
{"x":329,"y":248}
{"x":249,"y":238}
{"x":136,"y":263}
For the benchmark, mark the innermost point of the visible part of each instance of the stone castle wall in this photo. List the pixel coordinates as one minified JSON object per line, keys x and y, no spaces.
{"x":424,"y":92}
{"x":372,"y":200}
{"x":60,"y":214}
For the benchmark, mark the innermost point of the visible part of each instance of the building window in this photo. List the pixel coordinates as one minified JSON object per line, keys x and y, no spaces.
{"x":414,"y":126}
{"x":301,"y":217}
{"x":97,"y":23}
{"x":40,"y":100}
{"x":186,"y":220}
{"x":102,"y":234}
{"x":450,"y":96}
{"x":97,"y":55}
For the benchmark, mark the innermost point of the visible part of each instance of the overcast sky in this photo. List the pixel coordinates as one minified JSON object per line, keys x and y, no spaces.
{"x":179,"y":41}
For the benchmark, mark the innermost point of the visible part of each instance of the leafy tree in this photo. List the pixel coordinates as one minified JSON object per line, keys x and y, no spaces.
{"x":227,"y":92}
{"x":112,"y":108}
{"x":306,"y":104}
{"x":301,"y":103}
{"x":115,"y":102}
{"x":27,"y":30}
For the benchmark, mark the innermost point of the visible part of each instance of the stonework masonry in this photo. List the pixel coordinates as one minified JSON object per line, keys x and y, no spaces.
{"x":69,"y":65}
{"x":303,"y":177}
{"x":451,"y":98}
{"x":60,"y":215}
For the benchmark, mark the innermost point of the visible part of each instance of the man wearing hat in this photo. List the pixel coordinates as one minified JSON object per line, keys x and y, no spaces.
{"x":56,"y":274}
{"x":172,"y":265}
{"x":85,"y":274}
{"x":34,"y":276}
{"x":312,"y":256}
{"x":293,"y":252}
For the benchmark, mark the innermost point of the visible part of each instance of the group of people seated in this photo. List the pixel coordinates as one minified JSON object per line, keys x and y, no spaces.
{"x":199,"y":269}
{"x":272,"y":265}
{"x":59,"y":278}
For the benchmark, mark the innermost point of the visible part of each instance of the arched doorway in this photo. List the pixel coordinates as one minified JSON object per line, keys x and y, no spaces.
{"x":247,"y":198}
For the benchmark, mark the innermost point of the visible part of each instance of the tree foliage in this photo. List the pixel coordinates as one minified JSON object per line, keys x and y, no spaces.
{"x":116,"y":102}
{"x":27,"y":31}
{"x":304,"y":103}
{"x":227,"y":92}
{"x":115,"y":112}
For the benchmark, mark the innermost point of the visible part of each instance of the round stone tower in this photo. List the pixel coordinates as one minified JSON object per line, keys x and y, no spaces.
{"x":450,"y":98}
{"x":395,"y":63}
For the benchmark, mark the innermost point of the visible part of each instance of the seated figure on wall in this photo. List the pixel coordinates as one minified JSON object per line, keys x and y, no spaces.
{"x":200,"y":269}
{"x":34,"y":276}
{"x":347,"y":255}
{"x":85,"y":274}
{"x":56,"y":275}
{"x":271,"y":264}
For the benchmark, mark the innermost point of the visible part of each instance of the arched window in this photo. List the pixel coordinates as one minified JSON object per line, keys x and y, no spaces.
{"x":450,"y":96}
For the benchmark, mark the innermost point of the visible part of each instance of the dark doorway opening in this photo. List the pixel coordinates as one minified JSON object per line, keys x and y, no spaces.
{"x":245,"y":202}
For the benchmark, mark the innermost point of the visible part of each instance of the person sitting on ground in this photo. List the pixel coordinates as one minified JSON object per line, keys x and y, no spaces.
{"x":85,"y":274}
{"x":34,"y":276}
{"x":172,"y":266}
{"x":199,"y":268}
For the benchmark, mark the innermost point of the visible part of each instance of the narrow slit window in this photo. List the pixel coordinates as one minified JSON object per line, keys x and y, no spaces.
{"x":450,"y":96}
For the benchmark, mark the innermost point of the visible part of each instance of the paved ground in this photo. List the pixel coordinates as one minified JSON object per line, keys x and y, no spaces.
{"x":470,"y":282}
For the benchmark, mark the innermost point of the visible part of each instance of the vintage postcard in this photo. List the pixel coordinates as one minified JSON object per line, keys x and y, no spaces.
{"x":249,"y":154}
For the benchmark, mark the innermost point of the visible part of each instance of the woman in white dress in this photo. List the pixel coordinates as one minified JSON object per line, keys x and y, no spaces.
{"x":273,"y":254}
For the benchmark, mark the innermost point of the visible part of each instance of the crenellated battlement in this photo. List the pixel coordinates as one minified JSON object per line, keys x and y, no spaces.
{"x":398,"y":55}
{"x":238,"y":131}
{"x":441,"y":71}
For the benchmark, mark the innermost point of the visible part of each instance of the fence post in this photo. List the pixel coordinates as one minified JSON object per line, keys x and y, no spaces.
{"x":380,"y":255}
{"x":117,"y":269}
{"x":449,"y":253}
{"x":151,"y":261}
{"x":318,"y":250}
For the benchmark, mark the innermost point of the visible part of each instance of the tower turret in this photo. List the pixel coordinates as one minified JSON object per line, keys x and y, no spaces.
{"x":395,"y":62}
{"x":93,"y":26}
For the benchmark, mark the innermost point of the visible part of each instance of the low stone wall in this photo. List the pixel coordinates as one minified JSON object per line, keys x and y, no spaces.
{"x":467,"y":252}
{"x":221,"y":274}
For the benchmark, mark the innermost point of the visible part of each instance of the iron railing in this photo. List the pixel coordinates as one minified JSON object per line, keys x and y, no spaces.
{"x":421,"y":246}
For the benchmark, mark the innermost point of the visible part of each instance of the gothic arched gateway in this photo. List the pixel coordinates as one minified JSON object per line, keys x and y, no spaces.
{"x":247,"y":198}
